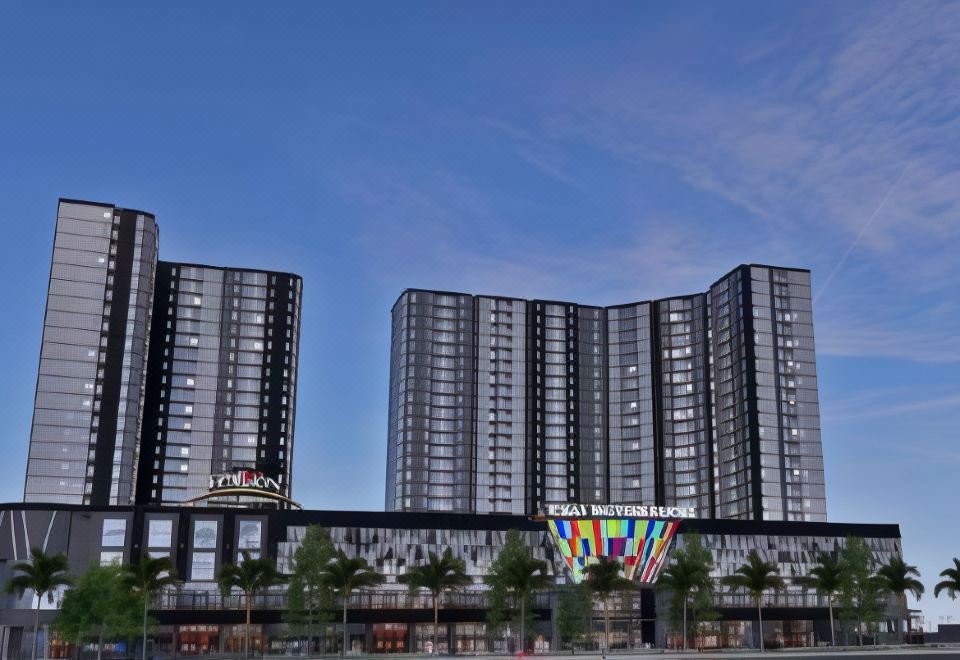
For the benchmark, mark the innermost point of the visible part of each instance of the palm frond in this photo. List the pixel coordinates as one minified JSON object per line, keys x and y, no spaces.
{"x":755,"y":577}
{"x":604,"y":577}
{"x":345,"y":574}
{"x":899,"y":578}
{"x":952,"y":584}
{"x":42,"y":574}
{"x":250,"y":576}
{"x":439,"y":574}
{"x":826,"y":578}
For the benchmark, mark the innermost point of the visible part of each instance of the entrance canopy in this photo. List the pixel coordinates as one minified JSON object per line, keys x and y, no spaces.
{"x":265,"y":495}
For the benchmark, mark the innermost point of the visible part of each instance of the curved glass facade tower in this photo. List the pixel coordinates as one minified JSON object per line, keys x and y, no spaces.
{"x":155,"y":377}
{"x":85,"y":436}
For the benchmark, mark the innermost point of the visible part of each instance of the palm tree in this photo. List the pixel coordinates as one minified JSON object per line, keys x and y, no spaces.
{"x":685,"y":576}
{"x":899,"y":578}
{"x":952,"y":584}
{"x":343,"y":575}
{"x":251,"y":576}
{"x":603,"y":578}
{"x":516,"y":572}
{"x":827,"y":579}
{"x":756,"y":577}
{"x":147,"y":578}
{"x":438,"y":575}
{"x":41,"y":575}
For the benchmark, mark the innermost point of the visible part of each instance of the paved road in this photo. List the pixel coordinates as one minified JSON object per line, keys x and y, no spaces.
{"x":952,"y":653}
{"x":798,"y":654}
{"x":891,"y":653}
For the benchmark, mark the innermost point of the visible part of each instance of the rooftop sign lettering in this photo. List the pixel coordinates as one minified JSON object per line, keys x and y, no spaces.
{"x":243,"y":479}
{"x":574,"y":510}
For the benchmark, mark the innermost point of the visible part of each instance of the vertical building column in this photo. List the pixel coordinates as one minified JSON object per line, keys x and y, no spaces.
{"x":683,"y":413}
{"x":112,"y":338}
{"x":553,"y":417}
{"x":659,"y":419}
{"x":534,"y":395}
{"x":157,"y":396}
{"x":500,"y":412}
{"x":631,"y":430}
{"x":756,"y":468}
{"x":592,"y":427}
{"x":572,"y":430}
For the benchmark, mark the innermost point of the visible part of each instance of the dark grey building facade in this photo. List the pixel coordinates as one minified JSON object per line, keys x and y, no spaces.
{"x":221,"y":384}
{"x":85,"y":435}
{"x":709,"y":400}
{"x":195,"y":619}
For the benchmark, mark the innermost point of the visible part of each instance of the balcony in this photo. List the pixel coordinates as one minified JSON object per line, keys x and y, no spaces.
{"x":367,"y":600}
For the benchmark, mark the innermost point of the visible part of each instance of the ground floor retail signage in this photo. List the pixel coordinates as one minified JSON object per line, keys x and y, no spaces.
{"x":640,"y":544}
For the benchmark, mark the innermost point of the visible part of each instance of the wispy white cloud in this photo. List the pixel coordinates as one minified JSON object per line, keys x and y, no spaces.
{"x":887,"y":403}
{"x":935,"y":343}
{"x":811,"y":152}
{"x":540,"y":153}
{"x":805,"y":156}
{"x":429,"y":228}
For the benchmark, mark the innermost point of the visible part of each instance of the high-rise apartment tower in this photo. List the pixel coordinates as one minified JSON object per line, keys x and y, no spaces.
{"x":87,"y":412}
{"x":221,"y":385}
{"x":156,"y":376}
{"x":709,"y":400}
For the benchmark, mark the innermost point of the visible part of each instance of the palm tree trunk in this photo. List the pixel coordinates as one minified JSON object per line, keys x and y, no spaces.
{"x":436,"y":624}
{"x":36,"y":629}
{"x":344,"y":625}
{"x":760,"y":619}
{"x":246,"y":642}
{"x":146,"y":601}
{"x":902,"y":602}
{"x":684,"y":624}
{"x":606,"y":627}
{"x":859,"y":631}
{"x":833,"y":639}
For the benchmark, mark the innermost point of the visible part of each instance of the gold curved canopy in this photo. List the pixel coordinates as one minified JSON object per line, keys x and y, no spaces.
{"x":256,"y":492}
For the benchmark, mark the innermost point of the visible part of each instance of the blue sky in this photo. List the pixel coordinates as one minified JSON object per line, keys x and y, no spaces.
{"x":596,"y":153}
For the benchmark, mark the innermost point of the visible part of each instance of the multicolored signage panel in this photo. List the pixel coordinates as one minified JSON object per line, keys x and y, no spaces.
{"x":641,"y":544}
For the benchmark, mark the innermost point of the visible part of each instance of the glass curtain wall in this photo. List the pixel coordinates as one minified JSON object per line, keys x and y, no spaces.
{"x":591,"y":431}
{"x":684,"y":386}
{"x":706,"y":400}
{"x":432,"y":406}
{"x":85,"y":433}
{"x":223,"y":373}
{"x":631,"y":447}
{"x":501,"y":405}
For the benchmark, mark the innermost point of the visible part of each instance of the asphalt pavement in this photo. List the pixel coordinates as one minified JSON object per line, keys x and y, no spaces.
{"x":952,"y":652}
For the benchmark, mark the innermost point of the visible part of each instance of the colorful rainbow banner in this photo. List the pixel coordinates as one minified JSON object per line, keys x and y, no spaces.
{"x":640,"y":544}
